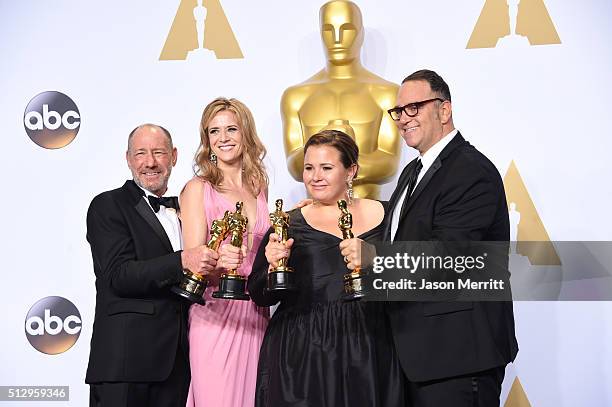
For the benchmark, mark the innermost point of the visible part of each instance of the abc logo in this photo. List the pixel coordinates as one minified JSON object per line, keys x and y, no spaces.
{"x":53,"y":325}
{"x":51,"y":119}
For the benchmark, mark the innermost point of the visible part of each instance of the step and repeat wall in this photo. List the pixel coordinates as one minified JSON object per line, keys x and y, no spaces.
{"x":531,"y":88}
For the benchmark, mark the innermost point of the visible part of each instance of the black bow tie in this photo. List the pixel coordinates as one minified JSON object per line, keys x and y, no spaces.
{"x":167,"y":201}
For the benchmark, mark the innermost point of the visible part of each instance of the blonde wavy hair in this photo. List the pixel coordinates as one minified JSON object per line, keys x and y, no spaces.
{"x":253,"y":150}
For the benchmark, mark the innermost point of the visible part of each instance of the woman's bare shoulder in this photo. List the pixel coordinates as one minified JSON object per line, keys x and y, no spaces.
{"x":195,"y":186}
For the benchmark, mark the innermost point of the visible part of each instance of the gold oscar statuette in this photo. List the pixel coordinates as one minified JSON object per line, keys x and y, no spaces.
{"x":280,"y":278}
{"x":354,"y":284}
{"x":344,"y":96}
{"x":193,"y":285}
{"x":232,"y":286}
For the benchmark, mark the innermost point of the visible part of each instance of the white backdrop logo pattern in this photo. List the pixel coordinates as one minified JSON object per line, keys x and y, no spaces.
{"x":51,"y":119}
{"x":53,"y":325}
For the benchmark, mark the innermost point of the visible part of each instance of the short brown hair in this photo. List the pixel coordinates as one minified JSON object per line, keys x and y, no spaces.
{"x":346,"y":146}
{"x":438,"y":86}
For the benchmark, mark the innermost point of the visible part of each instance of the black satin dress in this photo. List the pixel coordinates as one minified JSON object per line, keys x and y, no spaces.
{"x":318,"y":350}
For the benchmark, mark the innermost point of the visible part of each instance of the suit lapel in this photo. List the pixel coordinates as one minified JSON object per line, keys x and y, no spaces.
{"x":147,"y":213}
{"x":144,"y":210}
{"x":437,"y":164}
{"x":457,"y":141}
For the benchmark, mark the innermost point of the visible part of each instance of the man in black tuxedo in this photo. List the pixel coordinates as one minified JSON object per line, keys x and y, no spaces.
{"x":139,"y":350}
{"x":452,"y":353}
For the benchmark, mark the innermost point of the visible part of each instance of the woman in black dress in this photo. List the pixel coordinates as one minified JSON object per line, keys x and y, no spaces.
{"x":319,"y":350}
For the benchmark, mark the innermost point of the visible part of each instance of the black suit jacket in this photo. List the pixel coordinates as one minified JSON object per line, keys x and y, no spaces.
{"x":139,"y":323}
{"x":460,"y":198}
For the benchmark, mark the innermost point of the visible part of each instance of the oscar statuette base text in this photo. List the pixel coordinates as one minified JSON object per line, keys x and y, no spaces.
{"x":281,"y":279}
{"x":191,"y":287}
{"x":232,"y":287}
{"x":354,"y":286}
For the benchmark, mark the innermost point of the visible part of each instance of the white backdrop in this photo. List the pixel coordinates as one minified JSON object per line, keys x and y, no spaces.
{"x":544,"y":107}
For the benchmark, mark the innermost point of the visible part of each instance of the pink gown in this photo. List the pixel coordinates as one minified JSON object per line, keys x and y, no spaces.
{"x":225,"y":335}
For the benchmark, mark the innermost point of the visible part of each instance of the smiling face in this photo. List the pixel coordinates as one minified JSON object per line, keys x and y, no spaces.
{"x":324,"y":174}
{"x":431,"y":123}
{"x":225,"y":137}
{"x":150,"y":157}
{"x":341,"y":31}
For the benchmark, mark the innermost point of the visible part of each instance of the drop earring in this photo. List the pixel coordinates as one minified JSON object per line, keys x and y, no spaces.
{"x":349,"y":191}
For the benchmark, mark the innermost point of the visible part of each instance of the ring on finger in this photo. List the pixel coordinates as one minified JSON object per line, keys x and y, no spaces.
{"x":346,"y":260}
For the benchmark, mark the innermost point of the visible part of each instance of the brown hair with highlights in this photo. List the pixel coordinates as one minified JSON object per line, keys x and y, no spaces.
{"x":253,"y":150}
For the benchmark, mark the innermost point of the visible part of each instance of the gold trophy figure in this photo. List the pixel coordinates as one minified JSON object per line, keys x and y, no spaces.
{"x":193,"y":285}
{"x":354,"y":287}
{"x":232,"y":286}
{"x":281,"y":278}
{"x":344,"y":95}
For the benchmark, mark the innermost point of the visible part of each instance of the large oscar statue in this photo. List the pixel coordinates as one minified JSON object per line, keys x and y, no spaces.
{"x":193,"y":285}
{"x":344,"y":92}
{"x":232,"y":286}
{"x":354,"y":284}
{"x":281,"y":278}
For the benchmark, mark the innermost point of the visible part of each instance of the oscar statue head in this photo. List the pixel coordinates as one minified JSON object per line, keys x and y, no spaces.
{"x":341,"y":31}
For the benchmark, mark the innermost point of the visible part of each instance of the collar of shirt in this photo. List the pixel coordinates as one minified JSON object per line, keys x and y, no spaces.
{"x":148,"y":194}
{"x":434,"y":151}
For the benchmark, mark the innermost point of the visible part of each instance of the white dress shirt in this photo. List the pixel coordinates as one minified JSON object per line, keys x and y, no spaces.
{"x":427,"y":160}
{"x":169,"y":221}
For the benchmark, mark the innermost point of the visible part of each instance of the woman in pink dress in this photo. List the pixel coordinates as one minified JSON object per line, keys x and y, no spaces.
{"x":225,"y":335}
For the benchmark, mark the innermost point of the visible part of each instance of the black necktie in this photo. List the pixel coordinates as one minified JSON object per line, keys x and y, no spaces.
{"x":412,"y":179}
{"x":167,"y":201}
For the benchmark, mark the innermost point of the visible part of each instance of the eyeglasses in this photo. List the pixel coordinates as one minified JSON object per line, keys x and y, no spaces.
{"x":411,"y":109}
